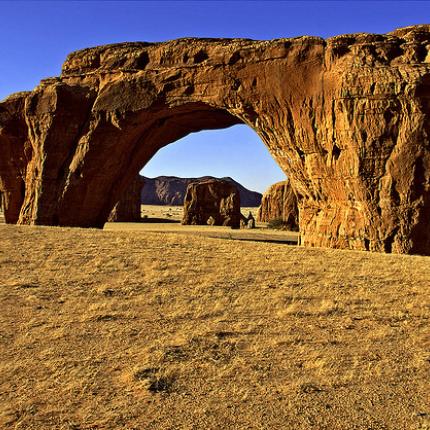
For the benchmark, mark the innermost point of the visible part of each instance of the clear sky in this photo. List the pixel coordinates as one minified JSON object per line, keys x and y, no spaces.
{"x":36,"y":36}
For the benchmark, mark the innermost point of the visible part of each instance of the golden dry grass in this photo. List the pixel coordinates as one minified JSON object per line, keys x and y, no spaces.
{"x":168,"y":221}
{"x":140,"y":330}
{"x":176,"y":212}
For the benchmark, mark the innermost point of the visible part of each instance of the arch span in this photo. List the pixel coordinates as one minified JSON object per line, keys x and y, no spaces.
{"x":345,"y":118}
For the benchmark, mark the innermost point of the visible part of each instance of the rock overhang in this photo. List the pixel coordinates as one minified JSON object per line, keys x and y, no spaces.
{"x":340,"y":115}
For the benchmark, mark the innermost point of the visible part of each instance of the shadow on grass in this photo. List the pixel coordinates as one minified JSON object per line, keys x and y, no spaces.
{"x":160,"y":220}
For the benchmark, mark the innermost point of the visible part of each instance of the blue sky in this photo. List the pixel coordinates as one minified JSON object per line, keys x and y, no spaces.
{"x":36,"y":36}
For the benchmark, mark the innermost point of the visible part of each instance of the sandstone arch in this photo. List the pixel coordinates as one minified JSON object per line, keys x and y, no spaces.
{"x":346,"y":118}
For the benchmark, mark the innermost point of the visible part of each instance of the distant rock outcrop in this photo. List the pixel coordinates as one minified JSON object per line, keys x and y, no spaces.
{"x":279,"y":201}
{"x":170,"y":190}
{"x":213,"y":202}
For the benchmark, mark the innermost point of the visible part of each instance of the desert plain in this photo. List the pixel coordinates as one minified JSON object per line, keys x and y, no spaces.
{"x":134,"y":328}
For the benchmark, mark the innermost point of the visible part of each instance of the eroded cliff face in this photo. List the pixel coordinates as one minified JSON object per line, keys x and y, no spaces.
{"x":346,"y":118}
{"x":15,"y":154}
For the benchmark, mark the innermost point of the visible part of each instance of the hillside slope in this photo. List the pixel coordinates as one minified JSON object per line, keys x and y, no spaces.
{"x":170,"y":190}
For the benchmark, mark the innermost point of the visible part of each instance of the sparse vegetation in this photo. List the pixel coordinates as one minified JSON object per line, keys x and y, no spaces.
{"x":277,"y":224}
{"x":141,"y":330}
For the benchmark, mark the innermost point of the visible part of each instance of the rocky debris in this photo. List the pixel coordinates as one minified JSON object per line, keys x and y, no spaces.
{"x":247,"y":222}
{"x":250,"y":221}
{"x":280,"y":201}
{"x":346,"y":118}
{"x":128,"y":208}
{"x":212,"y":202}
{"x":170,"y":190}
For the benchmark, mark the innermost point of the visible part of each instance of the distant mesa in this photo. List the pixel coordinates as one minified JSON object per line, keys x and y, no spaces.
{"x":171,"y":190}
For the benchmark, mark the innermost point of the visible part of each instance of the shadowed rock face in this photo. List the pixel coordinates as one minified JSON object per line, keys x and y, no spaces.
{"x":15,"y":154}
{"x":128,"y":208}
{"x":279,"y":201}
{"x":346,"y":118}
{"x":214,"y":202}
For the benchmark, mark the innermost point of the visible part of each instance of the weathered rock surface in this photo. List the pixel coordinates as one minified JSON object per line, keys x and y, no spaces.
{"x":128,"y":208}
{"x":346,"y":118}
{"x":170,"y":190}
{"x":279,"y":201}
{"x":15,"y":155}
{"x":213,"y":202}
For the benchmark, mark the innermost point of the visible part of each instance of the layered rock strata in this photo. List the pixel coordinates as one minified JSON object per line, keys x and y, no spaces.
{"x":279,"y":201}
{"x":346,"y":118}
{"x":212,"y":202}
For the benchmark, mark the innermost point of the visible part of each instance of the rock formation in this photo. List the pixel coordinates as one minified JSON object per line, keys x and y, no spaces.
{"x":128,"y":208}
{"x":212,"y":202}
{"x":170,"y":190}
{"x":346,"y":118}
{"x":15,"y":155}
{"x":279,"y":201}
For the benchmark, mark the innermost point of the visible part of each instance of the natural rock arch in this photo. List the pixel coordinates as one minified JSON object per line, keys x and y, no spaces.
{"x":346,"y":118}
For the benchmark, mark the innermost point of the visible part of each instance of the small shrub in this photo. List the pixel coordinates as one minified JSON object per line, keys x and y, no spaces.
{"x":277,"y":224}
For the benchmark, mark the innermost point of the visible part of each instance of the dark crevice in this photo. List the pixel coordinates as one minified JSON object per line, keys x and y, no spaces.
{"x":419,"y":185}
{"x":388,"y":116}
{"x":141,"y":61}
{"x":340,"y":50}
{"x":388,"y":242}
{"x":236,"y":84}
{"x":366,"y":244}
{"x":421,"y":53}
{"x":395,"y":196}
{"x":200,"y":57}
{"x":336,"y":152}
{"x":189,"y":90}
{"x":234,"y":58}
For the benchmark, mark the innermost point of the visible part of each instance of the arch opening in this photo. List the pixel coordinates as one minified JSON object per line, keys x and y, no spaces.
{"x":235,"y":154}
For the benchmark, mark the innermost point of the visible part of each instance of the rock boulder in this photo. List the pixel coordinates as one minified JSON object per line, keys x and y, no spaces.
{"x":280,"y":201}
{"x":213,"y":202}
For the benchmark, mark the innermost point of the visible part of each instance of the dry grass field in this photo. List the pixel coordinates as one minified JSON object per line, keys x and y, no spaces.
{"x":166,"y":219}
{"x":146,"y":330}
{"x":174,"y":213}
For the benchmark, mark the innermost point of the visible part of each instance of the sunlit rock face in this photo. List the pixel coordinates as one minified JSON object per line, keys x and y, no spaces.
{"x":346,"y":119}
{"x":280,"y":202}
